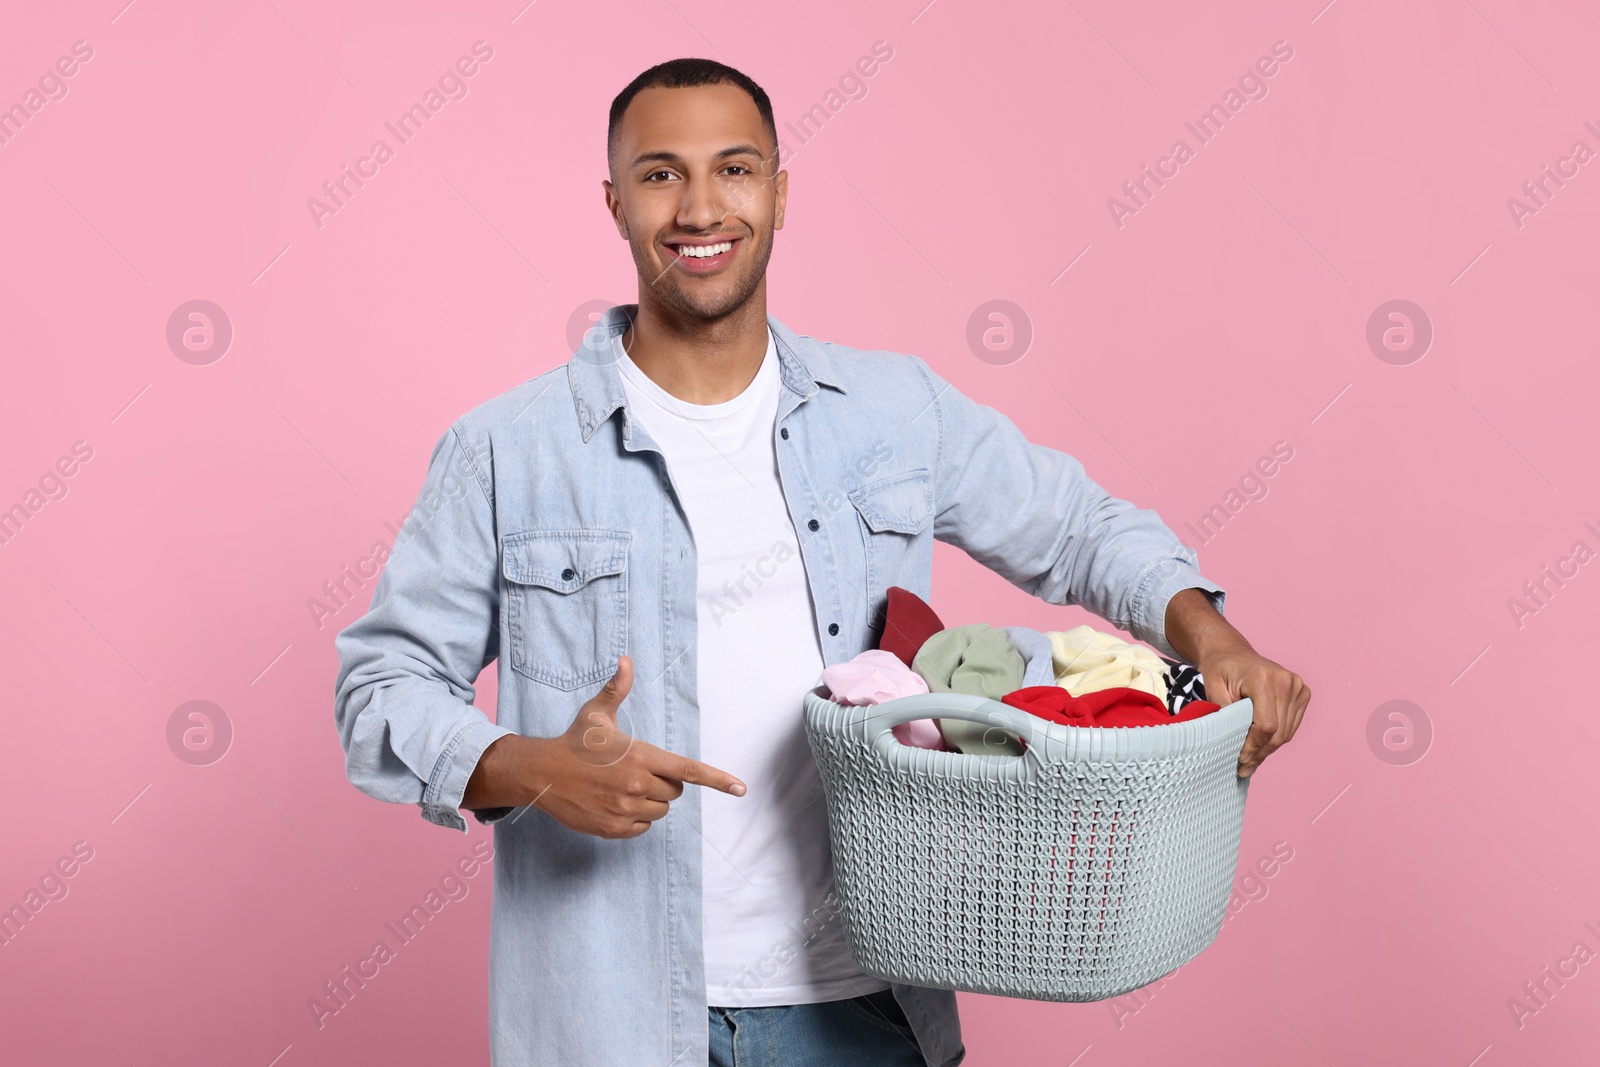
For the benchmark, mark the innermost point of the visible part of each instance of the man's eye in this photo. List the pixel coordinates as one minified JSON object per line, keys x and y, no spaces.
{"x":652,"y":174}
{"x":739,"y":166}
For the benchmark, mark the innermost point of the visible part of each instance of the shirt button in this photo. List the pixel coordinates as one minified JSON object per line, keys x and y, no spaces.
{"x":813,"y":525}
{"x":568,"y":574}
{"x":833,"y":629}
{"x":784,"y":433}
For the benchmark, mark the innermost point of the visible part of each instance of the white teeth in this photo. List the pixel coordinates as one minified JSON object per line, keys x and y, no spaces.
{"x":703,"y":251}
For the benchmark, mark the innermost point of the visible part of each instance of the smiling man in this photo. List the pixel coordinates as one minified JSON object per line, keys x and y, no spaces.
{"x":663,"y":541}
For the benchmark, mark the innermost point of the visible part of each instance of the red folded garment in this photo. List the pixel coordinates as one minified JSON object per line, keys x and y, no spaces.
{"x":908,"y":622}
{"x":1106,"y":707}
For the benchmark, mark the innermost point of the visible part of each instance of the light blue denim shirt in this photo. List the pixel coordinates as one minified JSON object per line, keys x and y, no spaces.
{"x":548,"y":536}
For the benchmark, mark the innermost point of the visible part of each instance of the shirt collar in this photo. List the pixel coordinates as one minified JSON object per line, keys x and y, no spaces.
{"x":597,"y":391}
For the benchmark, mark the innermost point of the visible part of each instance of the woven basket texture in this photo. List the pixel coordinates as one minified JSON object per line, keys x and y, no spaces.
{"x":1092,"y":864}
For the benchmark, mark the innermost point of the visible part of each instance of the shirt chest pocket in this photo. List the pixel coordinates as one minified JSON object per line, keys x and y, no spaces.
{"x":566,"y":604}
{"x":895,"y":511}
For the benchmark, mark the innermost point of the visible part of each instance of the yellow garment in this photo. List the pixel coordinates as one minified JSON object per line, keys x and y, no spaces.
{"x":1087,"y":661}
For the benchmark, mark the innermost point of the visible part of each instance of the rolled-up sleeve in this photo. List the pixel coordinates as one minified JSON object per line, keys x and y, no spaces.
{"x":1032,"y":514}
{"x":403,"y":695}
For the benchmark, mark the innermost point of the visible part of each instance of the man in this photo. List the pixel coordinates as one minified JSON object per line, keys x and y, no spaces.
{"x":663,"y":541}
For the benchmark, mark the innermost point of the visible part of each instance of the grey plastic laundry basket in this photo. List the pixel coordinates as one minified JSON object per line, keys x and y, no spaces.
{"x":1095,"y":862}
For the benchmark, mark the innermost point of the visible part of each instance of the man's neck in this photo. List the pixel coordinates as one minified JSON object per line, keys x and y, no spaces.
{"x":696,"y":361}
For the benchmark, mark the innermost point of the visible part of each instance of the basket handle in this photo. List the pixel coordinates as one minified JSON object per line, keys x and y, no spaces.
{"x":878,"y":719}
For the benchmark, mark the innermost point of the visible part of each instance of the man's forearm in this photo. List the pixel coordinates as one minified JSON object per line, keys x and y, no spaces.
{"x":504,"y":773}
{"x":1196,"y":629}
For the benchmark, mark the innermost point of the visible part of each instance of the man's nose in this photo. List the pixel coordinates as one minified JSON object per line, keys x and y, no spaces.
{"x":702,"y":206}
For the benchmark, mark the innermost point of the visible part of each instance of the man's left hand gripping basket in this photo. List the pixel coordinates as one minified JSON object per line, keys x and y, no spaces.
{"x":1092,"y":864}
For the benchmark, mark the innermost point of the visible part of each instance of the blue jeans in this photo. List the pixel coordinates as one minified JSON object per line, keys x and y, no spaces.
{"x":858,"y":1032}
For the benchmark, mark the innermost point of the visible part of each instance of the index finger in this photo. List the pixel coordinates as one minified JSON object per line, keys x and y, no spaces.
{"x":1249,"y":759}
{"x":678,"y":768}
{"x":1273,"y":711}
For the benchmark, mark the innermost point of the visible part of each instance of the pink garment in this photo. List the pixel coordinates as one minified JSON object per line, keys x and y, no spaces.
{"x":876,"y":676}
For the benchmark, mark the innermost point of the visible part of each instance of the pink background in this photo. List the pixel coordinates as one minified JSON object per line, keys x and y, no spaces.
{"x":1229,"y":313}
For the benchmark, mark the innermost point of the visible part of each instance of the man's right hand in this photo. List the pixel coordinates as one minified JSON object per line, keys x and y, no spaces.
{"x":594,"y":778}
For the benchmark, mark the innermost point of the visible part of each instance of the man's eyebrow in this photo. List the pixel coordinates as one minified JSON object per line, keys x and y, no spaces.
{"x":675,"y":159}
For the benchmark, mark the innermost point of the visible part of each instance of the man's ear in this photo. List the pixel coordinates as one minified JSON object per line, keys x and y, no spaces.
{"x":614,"y":206}
{"x":780,"y":185}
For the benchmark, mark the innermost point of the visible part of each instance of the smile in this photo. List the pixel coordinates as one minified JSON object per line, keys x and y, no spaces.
{"x":703,"y":251}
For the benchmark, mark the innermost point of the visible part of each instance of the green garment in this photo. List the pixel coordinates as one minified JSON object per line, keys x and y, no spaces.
{"x":978,"y":659}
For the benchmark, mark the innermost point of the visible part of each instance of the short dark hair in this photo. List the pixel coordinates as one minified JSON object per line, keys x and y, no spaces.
{"x":683,"y":74}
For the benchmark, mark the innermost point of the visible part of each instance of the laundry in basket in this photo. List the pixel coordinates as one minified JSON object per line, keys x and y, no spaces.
{"x":1093,"y":863}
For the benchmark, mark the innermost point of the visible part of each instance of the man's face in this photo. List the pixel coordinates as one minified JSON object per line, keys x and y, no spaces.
{"x":693,"y":169}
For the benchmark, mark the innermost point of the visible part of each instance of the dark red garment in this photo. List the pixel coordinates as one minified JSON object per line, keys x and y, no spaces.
{"x":908,"y":622}
{"x":1107,"y":707}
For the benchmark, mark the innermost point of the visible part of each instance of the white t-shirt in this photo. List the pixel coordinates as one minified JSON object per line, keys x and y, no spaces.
{"x":772,"y":929}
